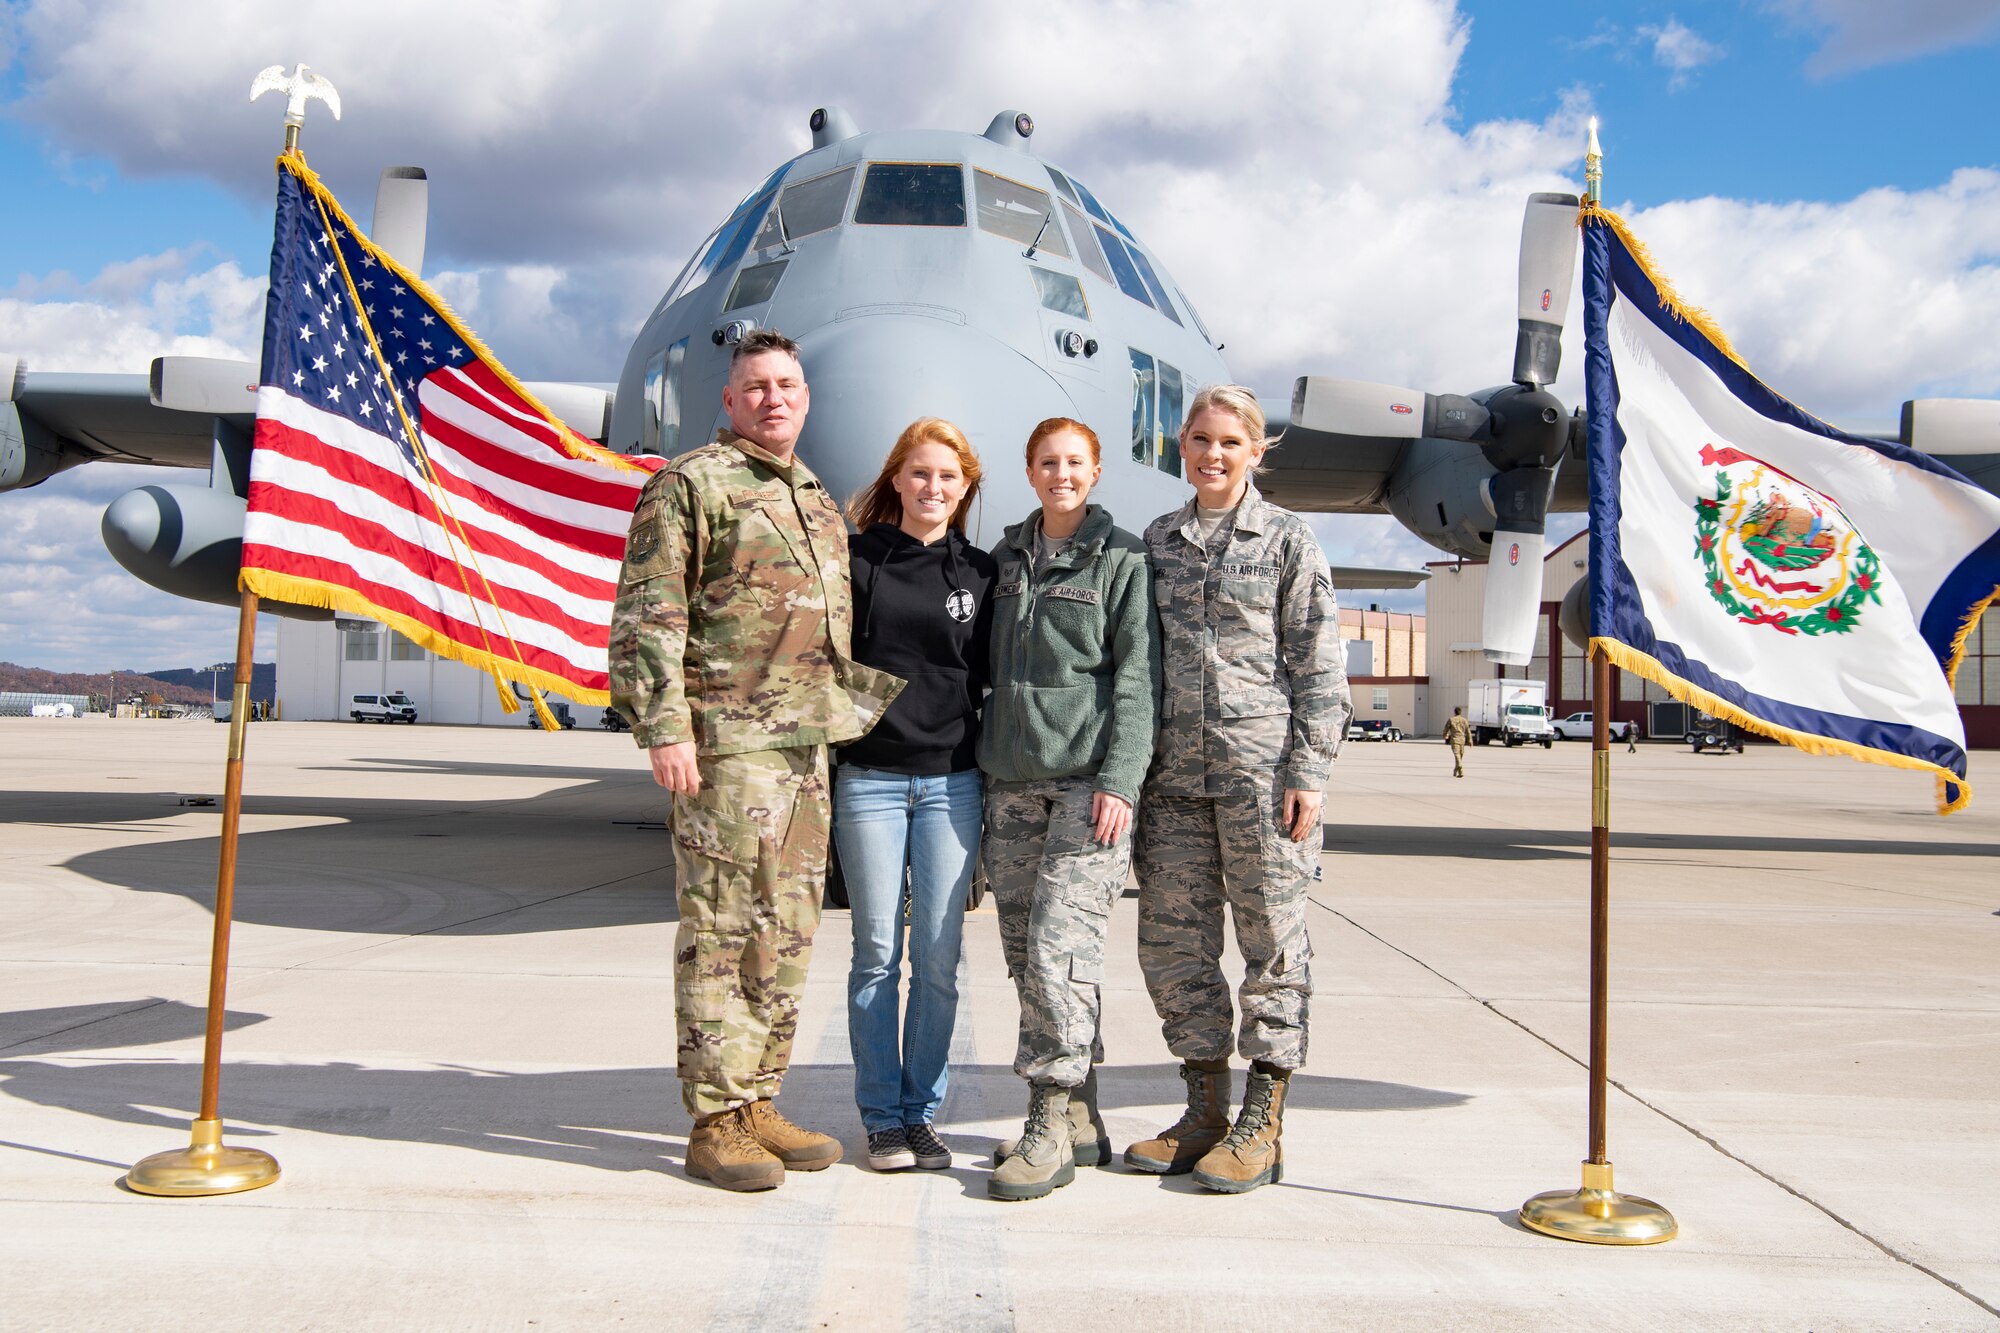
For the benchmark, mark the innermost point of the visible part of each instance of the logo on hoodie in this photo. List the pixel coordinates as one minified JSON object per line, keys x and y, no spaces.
{"x":959,"y":605}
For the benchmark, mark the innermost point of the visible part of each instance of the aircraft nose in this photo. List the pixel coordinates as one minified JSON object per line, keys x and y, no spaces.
{"x":872,"y":375}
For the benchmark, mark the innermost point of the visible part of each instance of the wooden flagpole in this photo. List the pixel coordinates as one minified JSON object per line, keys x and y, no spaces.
{"x":205,"y":1166}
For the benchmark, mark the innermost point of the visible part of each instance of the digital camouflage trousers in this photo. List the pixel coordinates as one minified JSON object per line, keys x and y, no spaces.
{"x":1053,"y":886}
{"x":1195,"y":857}
{"x":750,"y":868}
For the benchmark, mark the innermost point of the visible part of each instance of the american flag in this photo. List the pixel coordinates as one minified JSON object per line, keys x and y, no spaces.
{"x":504,"y":551}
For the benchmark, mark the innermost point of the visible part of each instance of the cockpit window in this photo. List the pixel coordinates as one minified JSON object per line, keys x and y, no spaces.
{"x":1062,"y":183}
{"x":754,"y":285}
{"x":1196,"y":315}
{"x":807,"y":207}
{"x":731,"y":239}
{"x":1152,"y":280}
{"x":1129,"y":280}
{"x":1090,"y":203}
{"x":1060,"y":292}
{"x":912,"y":194}
{"x":1018,"y":212}
{"x":1087,"y":248}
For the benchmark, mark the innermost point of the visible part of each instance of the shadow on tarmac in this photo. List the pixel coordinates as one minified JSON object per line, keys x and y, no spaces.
{"x":1522,"y":844}
{"x":610,"y":1119}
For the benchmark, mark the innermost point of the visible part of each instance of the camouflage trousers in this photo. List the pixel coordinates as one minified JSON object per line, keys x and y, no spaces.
{"x":1196,"y":856}
{"x":1053,"y":886}
{"x":750,"y":868}
{"x":1457,"y":759}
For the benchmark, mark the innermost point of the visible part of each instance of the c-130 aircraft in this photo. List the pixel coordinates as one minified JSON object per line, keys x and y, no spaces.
{"x":938,"y":273}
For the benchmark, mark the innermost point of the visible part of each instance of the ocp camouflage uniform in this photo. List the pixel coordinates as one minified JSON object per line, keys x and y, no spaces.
{"x":731,"y":631}
{"x":1255,"y":702}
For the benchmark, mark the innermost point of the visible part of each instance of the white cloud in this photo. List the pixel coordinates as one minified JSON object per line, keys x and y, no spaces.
{"x":1679,"y":49}
{"x":1858,"y":34}
{"x":1313,"y":191}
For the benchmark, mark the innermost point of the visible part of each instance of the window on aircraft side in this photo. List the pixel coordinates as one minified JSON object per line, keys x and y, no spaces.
{"x":670,"y":399}
{"x":653,"y":401}
{"x":1152,"y":281}
{"x":1171,"y":382}
{"x":808,"y":207}
{"x":912,"y":194}
{"x":1062,"y":183}
{"x":1060,"y":292}
{"x":1016,"y":211}
{"x":755,"y":284}
{"x":1087,"y":248}
{"x":1129,"y":280}
{"x":1145,"y":419}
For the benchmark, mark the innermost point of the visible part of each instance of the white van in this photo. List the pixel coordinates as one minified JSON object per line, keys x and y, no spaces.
{"x":383,"y":708}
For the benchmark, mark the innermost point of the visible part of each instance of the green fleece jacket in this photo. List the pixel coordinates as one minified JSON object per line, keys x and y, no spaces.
{"x":1076,"y":660}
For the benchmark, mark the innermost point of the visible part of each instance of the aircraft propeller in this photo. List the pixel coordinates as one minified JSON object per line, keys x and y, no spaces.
{"x":1521,"y":428}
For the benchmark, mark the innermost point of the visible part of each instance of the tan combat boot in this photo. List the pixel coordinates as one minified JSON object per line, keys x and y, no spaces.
{"x":1042,"y":1158}
{"x":1199,"y":1129}
{"x":723,"y":1151}
{"x":799,"y":1149}
{"x":1086,"y":1128}
{"x":1252,"y":1154}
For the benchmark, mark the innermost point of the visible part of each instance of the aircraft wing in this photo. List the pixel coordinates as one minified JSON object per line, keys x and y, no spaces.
{"x":1364,"y":576}
{"x":53,"y":421}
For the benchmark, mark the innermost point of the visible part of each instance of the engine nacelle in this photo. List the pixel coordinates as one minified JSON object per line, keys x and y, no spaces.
{"x":186,"y":540}
{"x":1439,"y":492}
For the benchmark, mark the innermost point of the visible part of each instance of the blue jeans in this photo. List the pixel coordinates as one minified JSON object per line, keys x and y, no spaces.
{"x":882,"y":822}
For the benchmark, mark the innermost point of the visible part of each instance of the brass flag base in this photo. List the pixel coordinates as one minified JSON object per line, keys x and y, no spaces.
{"x":203,"y":1167}
{"x":1599,"y":1214}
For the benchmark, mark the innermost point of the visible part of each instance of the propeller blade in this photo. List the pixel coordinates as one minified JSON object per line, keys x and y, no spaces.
{"x":1513,"y":598}
{"x":402,"y":215}
{"x":1325,"y":405}
{"x":1952,"y":425}
{"x":1548,"y":271}
{"x":1514,"y":571}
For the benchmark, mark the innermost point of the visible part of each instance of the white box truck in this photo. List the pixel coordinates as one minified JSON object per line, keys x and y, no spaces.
{"x":1509,"y":711}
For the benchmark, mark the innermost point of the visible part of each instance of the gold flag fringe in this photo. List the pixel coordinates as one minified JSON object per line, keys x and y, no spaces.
{"x":1626,"y":658}
{"x":1670,"y":300}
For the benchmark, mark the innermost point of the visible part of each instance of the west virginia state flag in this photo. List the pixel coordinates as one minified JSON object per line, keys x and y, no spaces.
{"x":1805,"y":583}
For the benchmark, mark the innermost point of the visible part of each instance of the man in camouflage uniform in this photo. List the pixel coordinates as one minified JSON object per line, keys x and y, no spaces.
{"x":1254,"y":707}
{"x":1457,"y":731}
{"x":729,"y":655}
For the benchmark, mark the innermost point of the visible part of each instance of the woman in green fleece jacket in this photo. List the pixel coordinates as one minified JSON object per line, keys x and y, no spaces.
{"x":1067,"y":736}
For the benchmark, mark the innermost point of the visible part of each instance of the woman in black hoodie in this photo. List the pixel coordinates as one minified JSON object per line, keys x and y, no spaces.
{"x":909,"y":791}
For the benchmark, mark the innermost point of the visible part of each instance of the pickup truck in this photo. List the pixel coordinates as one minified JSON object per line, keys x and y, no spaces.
{"x":1576,"y":727}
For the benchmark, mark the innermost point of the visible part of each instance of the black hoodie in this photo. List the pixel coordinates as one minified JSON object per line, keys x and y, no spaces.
{"x":923,"y":613}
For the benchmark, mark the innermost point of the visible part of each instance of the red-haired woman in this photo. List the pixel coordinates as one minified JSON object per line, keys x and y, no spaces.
{"x":908,"y":793}
{"x":1068,"y":734}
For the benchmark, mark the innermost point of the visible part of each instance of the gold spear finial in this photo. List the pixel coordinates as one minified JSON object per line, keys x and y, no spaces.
{"x":1593,"y":166}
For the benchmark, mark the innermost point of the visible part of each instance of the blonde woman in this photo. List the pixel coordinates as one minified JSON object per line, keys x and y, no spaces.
{"x":1255,"y":706}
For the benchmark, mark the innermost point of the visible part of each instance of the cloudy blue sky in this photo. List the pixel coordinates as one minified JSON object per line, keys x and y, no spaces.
{"x":1338,"y":187}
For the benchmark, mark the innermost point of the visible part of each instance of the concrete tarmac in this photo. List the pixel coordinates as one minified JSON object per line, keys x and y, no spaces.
{"x":449,"y":1019}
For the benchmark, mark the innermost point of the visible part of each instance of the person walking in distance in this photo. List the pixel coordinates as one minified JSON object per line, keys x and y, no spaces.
{"x":1254,"y":708}
{"x":907,"y":794}
{"x":729,"y":656}
{"x":1457,"y":732}
{"x":1067,"y":734}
